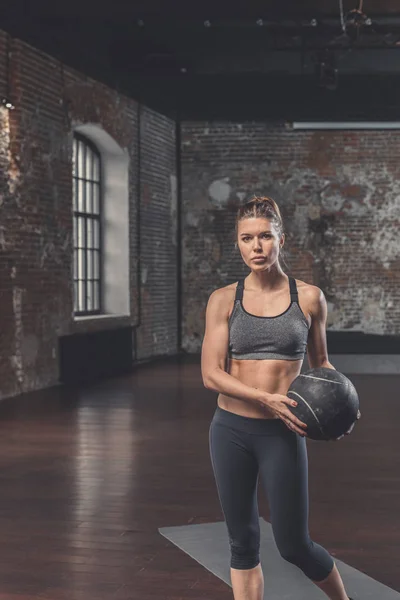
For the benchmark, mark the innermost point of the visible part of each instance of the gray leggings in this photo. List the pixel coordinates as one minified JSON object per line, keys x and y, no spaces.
{"x":243,"y":447}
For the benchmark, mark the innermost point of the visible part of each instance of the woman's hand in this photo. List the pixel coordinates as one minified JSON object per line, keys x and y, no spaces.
{"x":277,"y":404}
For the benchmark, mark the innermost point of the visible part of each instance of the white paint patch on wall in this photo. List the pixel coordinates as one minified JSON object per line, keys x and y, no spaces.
{"x":30,"y":349}
{"x":192,"y":218}
{"x":385,"y":241}
{"x":219,"y":191}
{"x":16,"y":358}
{"x":371,"y":309}
{"x":204,"y":267}
{"x":3,"y":243}
{"x":373,"y":314}
{"x":331,"y":199}
{"x":143,"y":274}
{"x":191,"y":343}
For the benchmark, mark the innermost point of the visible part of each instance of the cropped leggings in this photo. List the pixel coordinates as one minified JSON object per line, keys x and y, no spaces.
{"x":242,"y":448}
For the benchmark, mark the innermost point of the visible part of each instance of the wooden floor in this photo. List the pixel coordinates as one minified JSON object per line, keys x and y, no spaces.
{"x":88,"y":475}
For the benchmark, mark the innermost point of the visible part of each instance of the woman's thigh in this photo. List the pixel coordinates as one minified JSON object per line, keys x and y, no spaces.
{"x":236,"y":474}
{"x":284,"y":477}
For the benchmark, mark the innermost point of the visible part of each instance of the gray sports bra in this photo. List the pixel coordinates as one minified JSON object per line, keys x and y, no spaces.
{"x":258,"y":338}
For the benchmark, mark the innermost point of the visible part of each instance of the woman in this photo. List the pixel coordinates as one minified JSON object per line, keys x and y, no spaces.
{"x":256,"y":335}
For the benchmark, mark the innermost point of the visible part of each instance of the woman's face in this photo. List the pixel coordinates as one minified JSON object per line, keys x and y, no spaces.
{"x":259,"y":243}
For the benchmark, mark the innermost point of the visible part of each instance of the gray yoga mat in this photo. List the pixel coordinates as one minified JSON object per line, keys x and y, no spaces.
{"x":207,"y":543}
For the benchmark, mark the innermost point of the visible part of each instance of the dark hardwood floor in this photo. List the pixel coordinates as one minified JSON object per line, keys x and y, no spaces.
{"x":89,"y":474}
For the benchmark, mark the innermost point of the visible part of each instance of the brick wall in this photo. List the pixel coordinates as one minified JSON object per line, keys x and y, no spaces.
{"x":339,"y":193}
{"x":158,"y":333}
{"x":36,"y":215}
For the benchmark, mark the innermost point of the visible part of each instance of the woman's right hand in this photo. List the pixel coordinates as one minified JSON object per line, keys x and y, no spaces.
{"x":277,"y":404}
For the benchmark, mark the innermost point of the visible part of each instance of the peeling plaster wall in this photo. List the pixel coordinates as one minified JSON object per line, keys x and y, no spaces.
{"x":36,"y":283}
{"x":339,"y":193}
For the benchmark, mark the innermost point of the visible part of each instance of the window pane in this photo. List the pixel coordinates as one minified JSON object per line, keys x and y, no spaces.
{"x":80,"y":196}
{"x":81,"y":237}
{"x":75,"y":297}
{"x":79,"y":252}
{"x":96,"y":168}
{"x":96,"y":234}
{"x":89,"y":296}
{"x":90,"y":264}
{"x":81,"y":151}
{"x":96,"y":265}
{"x":89,"y":238}
{"x":84,"y":201}
{"x":93,"y":300}
{"x":81,"y":264}
{"x":80,"y":296}
{"x":75,"y":264}
{"x":96,"y":207}
{"x":89,"y":154}
{"x":89,"y":201}
{"x":96,"y":305}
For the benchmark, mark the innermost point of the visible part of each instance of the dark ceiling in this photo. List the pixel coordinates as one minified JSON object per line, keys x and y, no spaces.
{"x":253,"y":59}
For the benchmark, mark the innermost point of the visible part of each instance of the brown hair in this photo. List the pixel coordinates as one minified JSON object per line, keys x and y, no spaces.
{"x":261,"y":207}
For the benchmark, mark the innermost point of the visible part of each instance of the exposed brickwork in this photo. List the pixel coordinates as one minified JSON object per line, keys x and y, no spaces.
{"x":158,"y":333}
{"x":36,"y":216}
{"x":339,"y":193}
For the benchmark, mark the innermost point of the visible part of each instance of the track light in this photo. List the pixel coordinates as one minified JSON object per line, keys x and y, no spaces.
{"x":7,"y":103}
{"x":355,"y":21}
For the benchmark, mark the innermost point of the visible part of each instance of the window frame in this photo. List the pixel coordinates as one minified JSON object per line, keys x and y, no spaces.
{"x":87,"y":216}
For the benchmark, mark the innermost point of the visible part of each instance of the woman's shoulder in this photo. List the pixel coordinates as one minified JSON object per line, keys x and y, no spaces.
{"x":227,"y":290}
{"x":309,"y":294}
{"x":224,"y":296}
{"x":307,"y":288}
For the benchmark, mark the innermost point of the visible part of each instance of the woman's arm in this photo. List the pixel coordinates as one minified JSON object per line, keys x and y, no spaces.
{"x":317,"y":351}
{"x":214,"y":351}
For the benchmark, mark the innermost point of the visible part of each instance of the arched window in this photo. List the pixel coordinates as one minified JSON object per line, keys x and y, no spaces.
{"x":87,"y":227}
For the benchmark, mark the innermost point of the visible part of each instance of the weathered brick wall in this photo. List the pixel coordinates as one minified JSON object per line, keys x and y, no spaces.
{"x":158,"y":333}
{"x":339,"y":193}
{"x":36,"y":215}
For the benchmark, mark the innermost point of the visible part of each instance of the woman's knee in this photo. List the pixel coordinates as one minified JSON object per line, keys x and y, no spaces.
{"x":245,"y":552}
{"x":294,"y":554}
{"x":315,"y":562}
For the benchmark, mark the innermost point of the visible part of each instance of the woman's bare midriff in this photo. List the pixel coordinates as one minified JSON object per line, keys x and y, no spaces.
{"x":272,"y":376}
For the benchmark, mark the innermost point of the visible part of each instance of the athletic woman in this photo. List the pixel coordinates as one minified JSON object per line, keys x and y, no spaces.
{"x":257,"y":332}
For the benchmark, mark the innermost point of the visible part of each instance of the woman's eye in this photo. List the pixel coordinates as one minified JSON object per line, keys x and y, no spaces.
{"x":265,"y":235}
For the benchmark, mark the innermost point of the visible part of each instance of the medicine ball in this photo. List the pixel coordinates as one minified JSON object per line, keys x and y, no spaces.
{"x":327,"y":402}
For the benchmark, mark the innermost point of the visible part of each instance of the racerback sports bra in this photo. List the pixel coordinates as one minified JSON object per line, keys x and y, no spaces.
{"x":258,"y":338}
